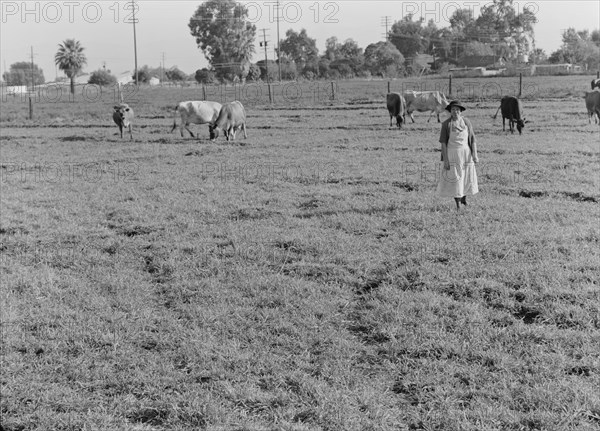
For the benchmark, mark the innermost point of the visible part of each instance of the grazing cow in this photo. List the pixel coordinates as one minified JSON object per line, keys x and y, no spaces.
{"x":196,"y":112}
{"x":592,"y":103}
{"x":123,"y":116}
{"x":396,"y":106}
{"x":595,"y":83}
{"x":512,"y":109}
{"x":232,"y":117}
{"x":424,"y":101}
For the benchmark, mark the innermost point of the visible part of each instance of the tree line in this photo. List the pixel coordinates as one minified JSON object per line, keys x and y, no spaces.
{"x":227,"y":39}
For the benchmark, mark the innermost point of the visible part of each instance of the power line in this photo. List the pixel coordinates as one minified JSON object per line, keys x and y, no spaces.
{"x":385,"y":22}
{"x":264,"y":43}
{"x":278,"y":48}
{"x":135,"y":73}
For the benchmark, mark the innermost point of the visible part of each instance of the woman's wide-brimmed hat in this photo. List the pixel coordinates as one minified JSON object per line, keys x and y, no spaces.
{"x":455,"y":103}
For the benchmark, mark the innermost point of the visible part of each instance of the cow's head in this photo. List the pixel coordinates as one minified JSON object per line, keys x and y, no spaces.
{"x":521,"y":125}
{"x":399,"y":121}
{"x":214,"y":132}
{"x":121,"y":110}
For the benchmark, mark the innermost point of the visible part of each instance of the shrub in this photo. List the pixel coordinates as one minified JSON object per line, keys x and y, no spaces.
{"x":102,"y":77}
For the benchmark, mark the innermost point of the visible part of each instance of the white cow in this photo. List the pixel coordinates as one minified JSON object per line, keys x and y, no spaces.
{"x":423,"y":101}
{"x":231,"y":118}
{"x":123,"y":116}
{"x":196,"y":112}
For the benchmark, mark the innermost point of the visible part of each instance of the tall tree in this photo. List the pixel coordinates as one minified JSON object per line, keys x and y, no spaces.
{"x":20,"y":74}
{"x":383,"y":59}
{"x":70,"y":59}
{"x":407,"y":36}
{"x":301,"y":49}
{"x":347,"y":58}
{"x":504,"y":28}
{"x":225,"y":36}
{"x":462,"y":27}
{"x":577,"y":47}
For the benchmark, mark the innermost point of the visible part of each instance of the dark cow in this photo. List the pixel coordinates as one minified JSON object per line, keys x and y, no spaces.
{"x":396,"y":106}
{"x":595,"y":83}
{"x":425,"y":101}
{"x":196,"y":112}
{"x":232,"y":117}
{"x":512,"y":109}
{"x":123,"y":116}
{"x":592,"y":103}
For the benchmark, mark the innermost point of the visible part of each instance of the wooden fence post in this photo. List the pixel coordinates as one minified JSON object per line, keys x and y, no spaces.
{"x":450,"y":85}
{"x":30,"y":108}
{"x":332,"y":91}
{"x":389,"y":87}
{"x":520,"y":83}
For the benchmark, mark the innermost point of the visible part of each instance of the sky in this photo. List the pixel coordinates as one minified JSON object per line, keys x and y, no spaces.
{"x":105,"y":30}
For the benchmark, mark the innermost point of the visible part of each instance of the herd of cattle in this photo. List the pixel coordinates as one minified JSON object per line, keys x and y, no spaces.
{"x":227,"y":118}
{"x":399,"y":105}
{"x":230,"y":117}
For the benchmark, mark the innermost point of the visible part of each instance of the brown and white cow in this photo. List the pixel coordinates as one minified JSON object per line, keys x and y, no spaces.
{"x":424,"y":101}
{"x":123,"y":116}
{"x":396,"y":106}
{"x":592,"y":104}
{"x":232,"y":118}
{"x":511,"y":109}
{"x":196,"y":112}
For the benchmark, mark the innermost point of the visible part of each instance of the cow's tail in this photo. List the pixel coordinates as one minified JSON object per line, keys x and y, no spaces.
{"x":175,"y":118}
{"x":496,"y":114}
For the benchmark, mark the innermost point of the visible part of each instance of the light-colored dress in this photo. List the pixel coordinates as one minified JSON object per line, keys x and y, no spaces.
{"x":461,"y":179}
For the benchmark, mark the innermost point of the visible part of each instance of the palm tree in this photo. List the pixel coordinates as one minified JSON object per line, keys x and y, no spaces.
{"x":70,"y":59}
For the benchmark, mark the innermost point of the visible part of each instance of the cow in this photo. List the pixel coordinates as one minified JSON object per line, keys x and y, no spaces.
{"x":423,"y":101}
{"x":196,"y":112}
{"x":595,"y":83}
{"x":592,"y":103}
{"x":232,"y":117}
{"x":512,"y":109}
{"x":396,"y":106}
{"x":123,"y":116}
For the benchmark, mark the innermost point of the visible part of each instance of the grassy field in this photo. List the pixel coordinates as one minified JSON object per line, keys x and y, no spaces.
{"x":305,"y":278}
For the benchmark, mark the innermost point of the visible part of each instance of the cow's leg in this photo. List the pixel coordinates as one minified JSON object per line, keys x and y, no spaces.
{"x":188,"y":129}
{"x":438,"y":115}
{"x":391,"y":117}
{"x":244,"y":129}
{"x":411,"y":116}
{"x":130,"y":133}
{"x":430,"y":114}
{"x":121,"y":130}
{"x":503,"y":124}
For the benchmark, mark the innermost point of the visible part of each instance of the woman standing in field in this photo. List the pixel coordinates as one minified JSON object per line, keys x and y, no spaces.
{"x":459,"y":155}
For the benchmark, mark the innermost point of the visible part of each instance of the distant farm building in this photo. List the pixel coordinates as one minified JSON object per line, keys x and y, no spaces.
{"x":557,"y":69}
{"x":125,"y":77}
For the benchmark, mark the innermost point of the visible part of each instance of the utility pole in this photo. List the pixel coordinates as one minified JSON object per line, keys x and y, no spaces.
{"x":264,"y":43}
{"x":278,"y":51}
{"x":135,"y":72}
{"x":32,"y":74}
{"x":385,"y":22}
{"x":162,"y":69}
